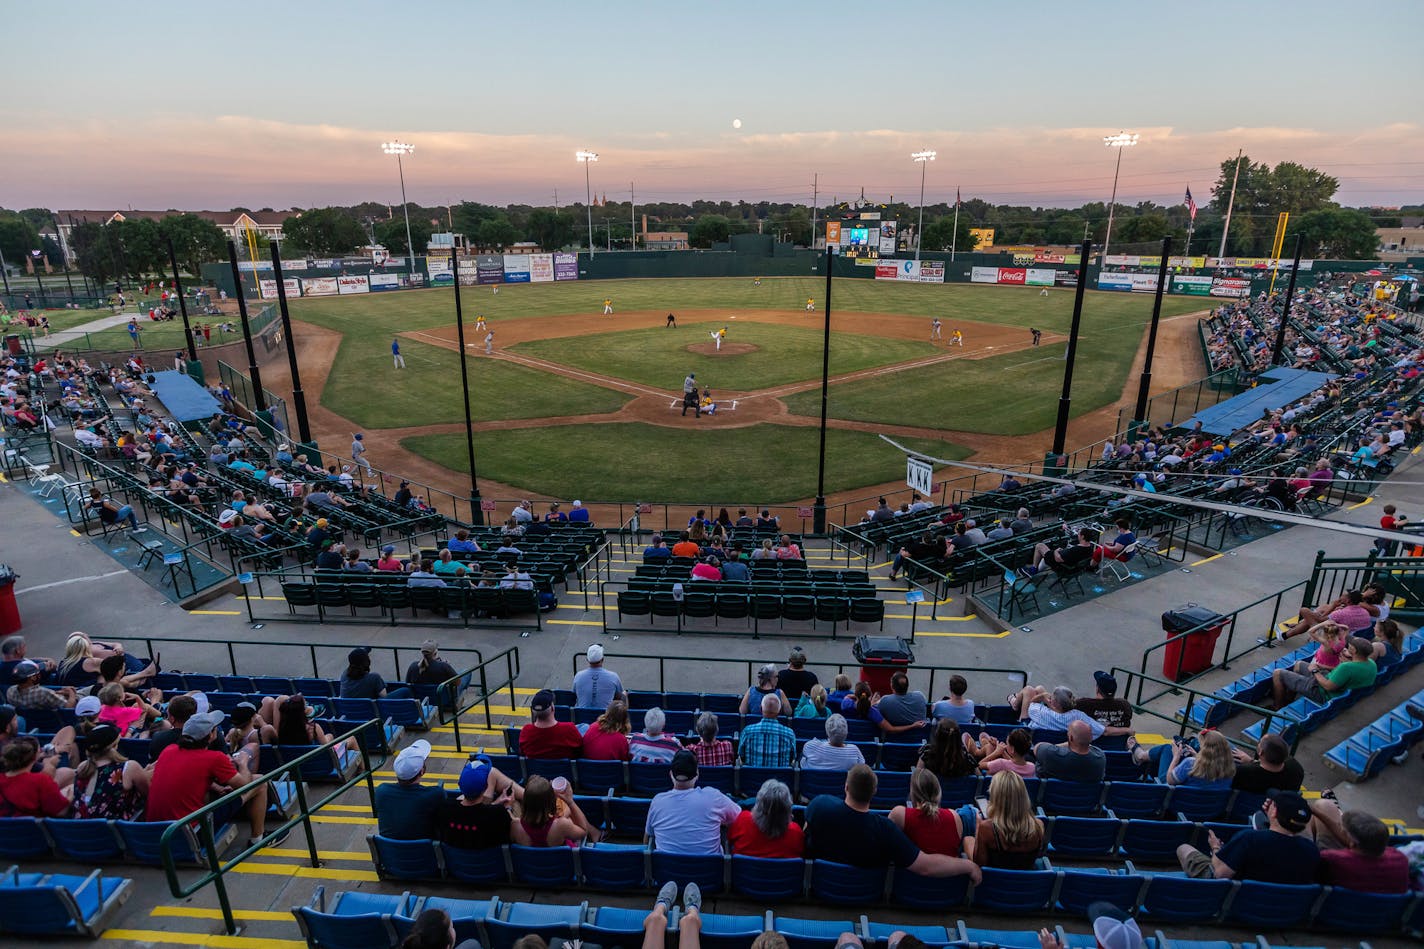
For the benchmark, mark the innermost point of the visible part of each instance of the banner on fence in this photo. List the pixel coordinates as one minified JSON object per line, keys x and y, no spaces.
{"x":1024,"y":258}
{"x":887,"y":237}
{"x":384,"y":281}
{"x":833,"y":233}
{"x":1038,"y":277}
{"x":1192,"y":286}
{"x":1230,"y":287}
{"x":468,"y":277}
{"x":319,"y":286}
{"x":489,"y":268}
{"x":541,"y":268}
{"x":1065,"y":278}
{"x":297,"y":264}
{"x":351,"y":284}
{"x":325,"y":263}
{"x":1128,"y":282}
{"x":251,"y":265}
{"x":931,"y":271}
{"x":1258,"y":263}
{"x":919,"y":475}
{"x":984,"y":275}
{"x":516,"y":268}
{"x":269,"y":287}
{"x":1012,"y":276}
{"x":565,"y":266}
{"x":866,"y":261}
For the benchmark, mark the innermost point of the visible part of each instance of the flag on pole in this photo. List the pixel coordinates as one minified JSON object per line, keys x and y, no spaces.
{"x":956,"y":197}
{"x":1191,"y":205}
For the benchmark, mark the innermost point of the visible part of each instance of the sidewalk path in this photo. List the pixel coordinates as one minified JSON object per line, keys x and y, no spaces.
{"x":60,"y":338}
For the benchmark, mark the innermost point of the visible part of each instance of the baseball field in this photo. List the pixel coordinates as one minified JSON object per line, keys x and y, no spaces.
{"x":575,"y":403}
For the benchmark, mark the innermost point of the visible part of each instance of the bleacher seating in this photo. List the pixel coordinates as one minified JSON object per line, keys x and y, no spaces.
{"x":54,"y":904}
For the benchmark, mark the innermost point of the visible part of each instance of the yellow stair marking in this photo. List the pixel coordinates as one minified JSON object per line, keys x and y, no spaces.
{"x":312,"y":873}
{"x":1198,"y":563}
{"x":362,"y":855}
{"x":1007,"y":632}
{"x":197,"y":912}
{"x":349,"y":808}
{"x":215,"y":612}
{"x":1367,"y":500}
{"x":201,"y":939}
{"x":323,"y":819}
{"x":571,"y":622}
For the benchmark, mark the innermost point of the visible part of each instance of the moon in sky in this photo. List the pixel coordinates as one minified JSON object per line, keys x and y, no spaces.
{"x":736,"y":123}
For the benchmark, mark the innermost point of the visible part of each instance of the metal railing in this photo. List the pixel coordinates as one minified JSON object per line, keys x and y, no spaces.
{"x":1272,"y":607}
{"x":1183,"y":720}
{"x":752,"y":665}
{"x":217,"y":867}
{"x":511,"y":674}
{"x":241,"y":387}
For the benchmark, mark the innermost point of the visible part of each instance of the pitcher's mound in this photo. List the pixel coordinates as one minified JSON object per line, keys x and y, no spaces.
{"x":709,"y":348}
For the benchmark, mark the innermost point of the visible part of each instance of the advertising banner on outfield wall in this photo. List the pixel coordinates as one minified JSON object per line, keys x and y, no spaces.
{"x":1192,"y":286}
{"x":565,"y":266}
{"x":1133,"y":260}
{"x":1065,"y":278}
{"x":1022,"y":259}
{"x":489,"y":268}
{"x":1012,"y":276}
{"x":1038,"y":277}
{"x":833,"y":233}
{"x":468,"y":277}
{"x":1230,"y":287}
{"x":1128,"y":282}
{"x":887,"y":237}
{"x":384,"y":281}
{"x":541,"y":268}
{"x":984,"y":275}
{"x":931,"y":271}
{"x":269,"y":287}
{"x":890,"y":269}
{"x":516,"y":268}
{"x":297,"y":264}
{"x":318,"y":286}
{"x":1258,"y":263}
{"x":353,"y":284}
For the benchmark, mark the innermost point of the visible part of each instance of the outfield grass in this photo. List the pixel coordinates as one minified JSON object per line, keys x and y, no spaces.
{"x":659,"y":357}
{"x":366,"y":388}
{"x":762,"y":464}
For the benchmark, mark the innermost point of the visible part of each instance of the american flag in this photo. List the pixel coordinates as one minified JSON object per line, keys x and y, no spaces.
{"x":1191,"y":205}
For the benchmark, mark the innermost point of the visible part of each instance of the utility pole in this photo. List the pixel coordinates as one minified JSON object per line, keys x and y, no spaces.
{"x":1226,"y":226}
{"x":632,"y":216}
{"x":815,"y":199}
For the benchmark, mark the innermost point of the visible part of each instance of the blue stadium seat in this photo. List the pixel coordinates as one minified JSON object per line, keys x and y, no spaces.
{"x":1084,"y":836}
{"x":812,"y":933}
{"x":474,"y":866}
{"x":833,"y":882}
{"x":935,"y":937}
{"x":1136,"y":798}
{"x":550,"y":768}
{"x":22,"y":838}
{"x":1353,"y":912}
{"x":957,"y":792}
{"x":141,"y":840}
{"x":467,"y":915}
{"x":521,"y":919}
{"x":599,"y":777}
{"x":898,"y":756}
{"x":551,"y":867}
{"x":721,"y":931}
{"x":1082,"y":886}
{"x":605,"y":866}
{"x":750,"y":779}
{"x":1002,"y":938}
{"x":404,"y":859}
{"x":84,"y":841}
{"x":1180,"y":899}
{"x":706,"y":870}
{"x":1015,"y":891}
{"x":1198,"y":803}
{"x":768,"y":880}
{"x":1272,"y":905}
{"x":893,"y":788}
{"x":1082,"y":798}
{"x":357,"y":921}
{"x":628,"y":815}
{"x":614,"y":926}
{"x":721,"y":777}
{"x":1155,"y":841}
{"x":646,"y":778}
{"x":931,"y":893}
{"x":816,"y":781}
{"x":59,"y":904}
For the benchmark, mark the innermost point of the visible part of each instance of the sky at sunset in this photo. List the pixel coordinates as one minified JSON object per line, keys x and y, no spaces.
{"x":264,"y":104}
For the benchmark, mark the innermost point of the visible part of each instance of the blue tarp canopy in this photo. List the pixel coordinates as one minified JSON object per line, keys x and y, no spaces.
{"x":183,"y":397}
{"x":1278,"y":388}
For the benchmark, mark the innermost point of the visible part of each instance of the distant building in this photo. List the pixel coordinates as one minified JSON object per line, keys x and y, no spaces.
{"x":665,"y":240}
{"x":1398,"y":243}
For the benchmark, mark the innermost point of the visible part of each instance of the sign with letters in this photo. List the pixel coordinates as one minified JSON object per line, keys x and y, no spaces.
{"x":919,"y":475}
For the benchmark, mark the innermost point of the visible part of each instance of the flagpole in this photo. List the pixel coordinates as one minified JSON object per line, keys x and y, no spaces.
{"x":1230,"y":203}
{"x":954,"y":237}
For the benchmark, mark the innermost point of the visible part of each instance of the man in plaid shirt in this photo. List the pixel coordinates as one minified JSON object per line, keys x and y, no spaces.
{"x":768,"y":743}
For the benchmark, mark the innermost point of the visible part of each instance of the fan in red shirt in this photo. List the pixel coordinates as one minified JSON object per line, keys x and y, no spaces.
{"x":546,"y":738}
{"x":767,"y":829}
{"x":186,"y":769}
{"x":607,"y":738}
{"x":27,"y":793}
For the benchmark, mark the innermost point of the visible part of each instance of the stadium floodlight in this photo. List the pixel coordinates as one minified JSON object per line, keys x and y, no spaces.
{"x":588,"y":158}
{"x":924,"y":158}
{"x":398,"y":149}
{"x":1119,"y":141}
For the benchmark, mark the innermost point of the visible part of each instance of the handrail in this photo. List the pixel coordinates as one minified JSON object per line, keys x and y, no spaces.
{"x":217,"y":869}
{"x":311,"y":648}
{"x":1228,"y":622}
{"x":752,"y":664}
{"x":1184,"y":721}
{"x":511,"y":671}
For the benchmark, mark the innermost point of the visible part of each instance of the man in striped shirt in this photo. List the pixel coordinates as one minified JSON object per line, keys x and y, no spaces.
{"x":651,"y":744}
{"x":832,"y":753}
{"x":768,"y":743}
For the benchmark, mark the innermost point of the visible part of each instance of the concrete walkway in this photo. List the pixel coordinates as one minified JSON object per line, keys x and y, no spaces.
{"x":60,"y":338}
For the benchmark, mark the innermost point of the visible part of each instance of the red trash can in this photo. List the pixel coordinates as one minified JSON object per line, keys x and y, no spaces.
{"x":1189,"y":655}
{"x":9,"y":609}
{"x":880,"y":657}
